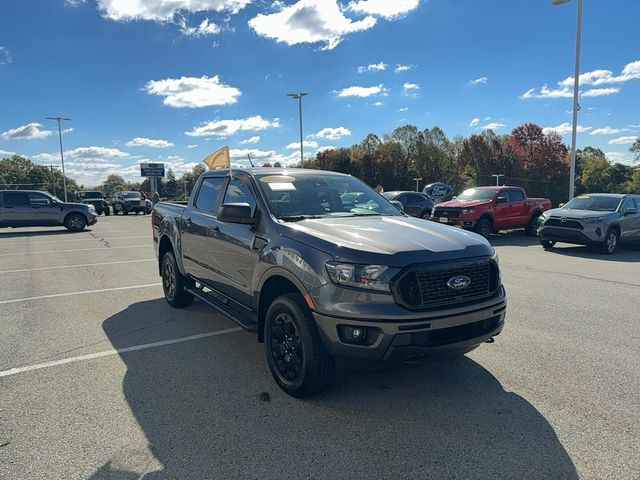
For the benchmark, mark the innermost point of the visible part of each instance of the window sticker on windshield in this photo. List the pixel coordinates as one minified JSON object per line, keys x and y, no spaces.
{"x":282,"y":187}
{"x":277,"y":179}
{"x":583,"y":196}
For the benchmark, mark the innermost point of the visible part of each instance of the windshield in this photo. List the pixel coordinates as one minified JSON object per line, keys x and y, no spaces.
{"x":92,"y":195}
{"x":131,"y":195}
{"x":596,"y":204}
{"x":298,"y":196}
{"x":476,"y":194}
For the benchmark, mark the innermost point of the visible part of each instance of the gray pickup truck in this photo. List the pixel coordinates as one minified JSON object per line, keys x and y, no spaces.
{"x":33,"y":208}
{"x":323,"y":267}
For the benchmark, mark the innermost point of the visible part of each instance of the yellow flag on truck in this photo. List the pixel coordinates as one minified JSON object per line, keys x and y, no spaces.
{"x":218,"y":159}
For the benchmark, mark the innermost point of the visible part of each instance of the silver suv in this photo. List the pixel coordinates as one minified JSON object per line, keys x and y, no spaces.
{"x":599,"y":219}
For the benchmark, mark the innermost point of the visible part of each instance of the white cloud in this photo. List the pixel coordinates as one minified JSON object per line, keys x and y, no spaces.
{"x":362,"y":91}
{"x":74,"y":3}
{"x":324,"y":149}
{"x":474,"y":122}
{"x":565,"y":128}
{"x":68,"y":130}
{"x":607,"y":131}
{"x":306,"y":143}
{"x":373,"y":67}
{"x":225,"y":128}
{"x":410,"y":86}
{"x":193,"y":92}
{"x":403,"y":68}
{"x":164,"y":10}
{"x":478,"y":81}
{"x":333,"y":133}
{"x":403,"y":109}
{"x":623,"y":140}
{"x":237,"y":153}
{"x":493,"y":126}
{"x":599,"y":92}
{"x":378,"y":104}
{"x":31,"y":131}
{"x":389,"y":9}
{"x":631,"y":71}
{"x":6,"y":153}
{"x":95,"y":153}
{"x":618,"y":157}
{"x":192,"y":146}
{"x":206,"y":27}
{"x":149,"y":142}
{"x":309,"y":21}
{"x":255,"y":139}
{"x":5,"y":56}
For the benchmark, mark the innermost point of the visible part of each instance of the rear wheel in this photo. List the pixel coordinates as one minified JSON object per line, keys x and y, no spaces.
{"x":75,"y":222}
{"x":295,"y":353}
{"x":174,"y":283}
{"x":610,"y":242}
{"x":484,"y":227}
{"x":532,"y":227}
{"x":547,"y":244}
{"x":107,"y":212}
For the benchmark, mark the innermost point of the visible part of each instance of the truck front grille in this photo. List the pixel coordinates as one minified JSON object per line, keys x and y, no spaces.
{"x":428,"y":286}
{"x":568,"y":223}
{"x":446,"y":212}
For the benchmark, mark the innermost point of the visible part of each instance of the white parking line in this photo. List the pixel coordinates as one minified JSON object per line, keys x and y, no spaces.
{"x":87,"y":239}
{"x":76,"y":250}
{"x":84,"y":292}
{"x":38,"y":366}
{"x":76,"y":266}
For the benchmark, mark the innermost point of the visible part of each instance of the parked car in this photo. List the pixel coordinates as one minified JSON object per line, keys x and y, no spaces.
{"x":489,"y":209}
{"x":97,"y":200}
{"x":128,"y":201}
{"x":413,"y":203}
{"x":598,"y":219}
{"x":32,"y":208}
{"x":280,"y":253}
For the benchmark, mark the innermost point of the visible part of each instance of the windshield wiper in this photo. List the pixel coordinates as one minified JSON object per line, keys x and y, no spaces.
{"x":297,"y":218}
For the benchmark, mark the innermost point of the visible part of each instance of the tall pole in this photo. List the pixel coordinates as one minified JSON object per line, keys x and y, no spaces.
{"x":53,"y":180}
{"x":298,"y":96}
{"x":576,"y":106}
{"x":417,"y":180}
{"x":64,"y":178}
{"x":498,"y":178}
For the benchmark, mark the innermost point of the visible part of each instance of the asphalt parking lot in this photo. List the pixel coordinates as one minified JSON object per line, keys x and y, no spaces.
{"x":99,"y":378}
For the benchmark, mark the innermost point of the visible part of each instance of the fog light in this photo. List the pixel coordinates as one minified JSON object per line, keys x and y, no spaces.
{"x":355,"y":335}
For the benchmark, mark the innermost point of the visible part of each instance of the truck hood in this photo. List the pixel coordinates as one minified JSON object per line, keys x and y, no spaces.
{"x":581,"y":214}
{"x":388,"y":240}
{"x":463,"y":203}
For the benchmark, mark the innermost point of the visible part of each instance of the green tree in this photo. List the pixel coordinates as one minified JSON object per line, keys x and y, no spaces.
{"x":635,"y":149}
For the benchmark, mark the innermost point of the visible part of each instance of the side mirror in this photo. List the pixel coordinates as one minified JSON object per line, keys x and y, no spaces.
{"x":630,"y":211}
{"x":454,"y":197}
{"x":236,"y":213}
{"x":397,"y":204}
{"x":560,"y":205}
{"x":501,"y":200}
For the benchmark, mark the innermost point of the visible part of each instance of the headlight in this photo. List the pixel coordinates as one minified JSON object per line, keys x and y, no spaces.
{"x":495,"y":257}
{"x":92,"y":208}
{"x":468,"y":210}
{"x":594,"y":220}
{"x":372,"y":277}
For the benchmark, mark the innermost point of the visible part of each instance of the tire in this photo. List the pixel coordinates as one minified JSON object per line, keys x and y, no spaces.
{"x":107,"y":212}
{"x":547,"y":244}
{"x":125,"y":211}
{"x":295,"y":353}
{"x":115,"y":210}
{"x":610,"y":243}
{"x":174,"y":283}
{"x":484,"y":227}
{"x":532,"y":227}
{"x":75,"y":222}
{"x":426,"y":215}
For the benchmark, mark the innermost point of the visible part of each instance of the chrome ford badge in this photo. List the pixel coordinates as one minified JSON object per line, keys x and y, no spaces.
{"x":459,"y":282}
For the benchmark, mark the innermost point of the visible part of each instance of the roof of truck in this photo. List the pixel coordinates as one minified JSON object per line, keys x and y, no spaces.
{"x":271,"y":171}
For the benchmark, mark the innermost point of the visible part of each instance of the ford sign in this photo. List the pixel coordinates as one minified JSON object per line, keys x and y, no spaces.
{"x":458,"y":283}
{"x":437,"y":190}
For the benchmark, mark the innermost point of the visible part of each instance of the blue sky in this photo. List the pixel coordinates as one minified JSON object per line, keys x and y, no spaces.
{"x":173,"y":80}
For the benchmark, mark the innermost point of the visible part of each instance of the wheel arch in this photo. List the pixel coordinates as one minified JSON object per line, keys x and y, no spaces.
{"x":75,"y":212}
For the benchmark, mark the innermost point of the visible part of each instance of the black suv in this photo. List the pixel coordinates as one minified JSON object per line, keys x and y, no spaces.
{"x":128,"y":201}
{"x":413,"y":203}
{"x":97,"y":200}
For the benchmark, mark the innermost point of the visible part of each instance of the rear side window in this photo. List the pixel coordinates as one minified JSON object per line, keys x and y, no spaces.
{"x":516,"y":196}
{"x":16,"y":198}
{"x":415,"y":199}
{"x":238,"y":192}
{"x":208,"y":194}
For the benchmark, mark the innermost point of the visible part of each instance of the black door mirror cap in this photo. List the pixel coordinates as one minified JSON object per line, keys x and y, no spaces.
{"x":236,"y":213}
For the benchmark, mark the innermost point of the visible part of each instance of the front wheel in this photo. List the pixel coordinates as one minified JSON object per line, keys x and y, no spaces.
{"x":295,"y":354}
{"x":174,"y":283}
{"x":106,"y":212}
{"x":547,"y":244}
{"x":610,"y":242}
{"x":484,"y":228}
{"x":426,"y":215}
{"x":75,"y":222}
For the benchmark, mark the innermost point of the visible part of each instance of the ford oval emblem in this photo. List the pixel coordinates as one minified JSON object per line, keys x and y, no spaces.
{"x":458,"y":283}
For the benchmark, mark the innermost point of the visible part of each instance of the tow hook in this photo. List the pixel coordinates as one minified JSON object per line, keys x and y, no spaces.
{"x":490,"y":340}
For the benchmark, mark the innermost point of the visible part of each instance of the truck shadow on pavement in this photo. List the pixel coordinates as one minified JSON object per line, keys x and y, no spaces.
{"x":40,"y":233}
{"x":210,"y":409}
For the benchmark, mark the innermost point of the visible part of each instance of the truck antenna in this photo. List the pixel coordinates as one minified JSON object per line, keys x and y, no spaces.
{"x":249,"y":157}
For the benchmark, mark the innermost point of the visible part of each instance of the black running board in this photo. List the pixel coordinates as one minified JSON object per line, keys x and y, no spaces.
{"x":245,"y":322}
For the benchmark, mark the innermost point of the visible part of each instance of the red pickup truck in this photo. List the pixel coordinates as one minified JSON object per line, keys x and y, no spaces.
{"x":489,"y":209}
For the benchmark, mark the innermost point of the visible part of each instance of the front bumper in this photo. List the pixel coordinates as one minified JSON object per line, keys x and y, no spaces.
{"x":92,"y":219}
{"x":588,"y":236}
{"x":467,"y":223}
{"x":437,"y":332}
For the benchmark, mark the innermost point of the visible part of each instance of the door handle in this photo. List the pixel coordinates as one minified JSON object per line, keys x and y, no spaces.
{"x":187,"y":222}
{"x":213,"y":230}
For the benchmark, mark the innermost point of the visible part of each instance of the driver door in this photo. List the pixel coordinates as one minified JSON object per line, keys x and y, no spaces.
{"x":630,"y":223}
{"x":43,"y":211}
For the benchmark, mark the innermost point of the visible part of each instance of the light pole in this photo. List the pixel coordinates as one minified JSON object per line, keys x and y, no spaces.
{"x":498,"y":178}
{"x":298,"y":96}
{"x":64,"y":178}
{"x":576,"y":92}
{"x":417,"y":180}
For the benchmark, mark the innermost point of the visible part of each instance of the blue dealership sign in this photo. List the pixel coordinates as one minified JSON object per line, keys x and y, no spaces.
{"x":437,"y":190}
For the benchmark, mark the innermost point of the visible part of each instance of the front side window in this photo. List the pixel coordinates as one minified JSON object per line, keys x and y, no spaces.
{"x":208,"y":194}
{"x":39,"y":200}
{"x":628,"y":203}
{"x":238,"y":192}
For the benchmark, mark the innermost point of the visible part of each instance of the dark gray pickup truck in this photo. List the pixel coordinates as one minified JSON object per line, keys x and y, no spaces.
{"x":322,"y":267}
{"x":32,"y":208}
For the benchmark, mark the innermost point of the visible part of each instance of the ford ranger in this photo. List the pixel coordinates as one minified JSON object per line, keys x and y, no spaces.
{"x":32,"y":208}
{"x":489,"y":209}
{"x":321,"y":266}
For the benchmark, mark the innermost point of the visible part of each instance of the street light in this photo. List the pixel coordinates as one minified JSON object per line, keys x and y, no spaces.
{"x":64,"y":178}
{"x":576,"y":86}
{"x":498,"y":178}
{"x":298,"y":96}
{"x":417,"y":180}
